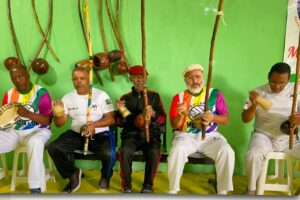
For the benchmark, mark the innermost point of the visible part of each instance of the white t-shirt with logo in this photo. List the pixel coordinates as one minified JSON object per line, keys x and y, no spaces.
{"x":269,"y":122}
{"x":76,"y":107}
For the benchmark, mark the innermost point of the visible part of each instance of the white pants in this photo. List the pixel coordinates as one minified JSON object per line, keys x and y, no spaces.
{"x":214,"y":146}
{"x":34,"y":141}
{"x":260,"y":145}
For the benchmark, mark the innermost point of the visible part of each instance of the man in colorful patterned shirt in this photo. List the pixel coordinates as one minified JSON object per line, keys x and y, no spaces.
{"x":186,"y":109}
{"x":32,"y":129}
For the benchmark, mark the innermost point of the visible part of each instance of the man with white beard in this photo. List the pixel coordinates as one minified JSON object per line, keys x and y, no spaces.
{"x":187,"y":109}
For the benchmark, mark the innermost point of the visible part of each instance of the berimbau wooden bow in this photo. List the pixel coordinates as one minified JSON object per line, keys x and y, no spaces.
{"x":41,"y":30}
{"x":85,"y":39}
{"x":292,"y":126}
{"x":13,"y":34}
{"x":45,"y":35}
{"x":89,"y":42}
{"x":211,"y":60}
{"x":147,"y":120}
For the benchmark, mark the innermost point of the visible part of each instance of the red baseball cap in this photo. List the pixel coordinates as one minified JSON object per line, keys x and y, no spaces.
{"x":137,"y":70}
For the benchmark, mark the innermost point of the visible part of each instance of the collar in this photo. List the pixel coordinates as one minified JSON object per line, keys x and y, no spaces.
{"x":197,"y":94}
{"x":136,"y":93}
{"x":26,"y":91}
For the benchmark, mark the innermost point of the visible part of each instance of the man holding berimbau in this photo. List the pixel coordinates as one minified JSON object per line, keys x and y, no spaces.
{"x":32,"y":129}
{"x":133,"y":133}
{"x":186,"y":115}
{"x":75,"y":105}
{"x":271,"y":126}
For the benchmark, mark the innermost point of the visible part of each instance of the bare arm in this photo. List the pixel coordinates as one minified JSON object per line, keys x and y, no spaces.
{"x":249,"y":114}
{"x":107,"y":120}
{"x":39,"y":118}
{"x":60,"y":117}
{"x":221,"y":119}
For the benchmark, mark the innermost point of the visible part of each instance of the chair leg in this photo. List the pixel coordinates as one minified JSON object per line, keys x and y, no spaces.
{"x":14,"y":171}
{"x":289,"y":166}
{"x":3,"y":172}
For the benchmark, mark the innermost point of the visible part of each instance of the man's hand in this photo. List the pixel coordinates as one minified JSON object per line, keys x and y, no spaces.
{"x":295,"y":119}
{"x":182,"y":109}
{"x":119,"y":103}
{"x":207,"y":117}
{"x":149,"y":112}
{"x":58,"y":108}
{"x":252,"y":96}
{"x":23,"y":112}
{"x":88,"y":129}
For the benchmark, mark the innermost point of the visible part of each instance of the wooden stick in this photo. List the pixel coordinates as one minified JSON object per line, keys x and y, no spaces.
{"x":41,"y":30}
{"x":89,"y":42}
{"x":147,"y":121}
{"x":210,"y":68}
{"x":116,"y":33}
{"x":13,"y":34}
{"x":85,"y":39}
{"x":100,"y":15}
{"x":292,"y":127}
{"x":45,"y":36}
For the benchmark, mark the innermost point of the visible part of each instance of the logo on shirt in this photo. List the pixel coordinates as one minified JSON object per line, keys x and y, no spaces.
{"x":108,"y":101}
{"x":195,"y":111}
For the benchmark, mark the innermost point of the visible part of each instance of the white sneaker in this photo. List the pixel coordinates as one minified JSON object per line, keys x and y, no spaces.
{"x":172,"y":192}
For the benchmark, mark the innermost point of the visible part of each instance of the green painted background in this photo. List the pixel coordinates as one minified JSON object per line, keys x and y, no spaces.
{"x":178,"y":33}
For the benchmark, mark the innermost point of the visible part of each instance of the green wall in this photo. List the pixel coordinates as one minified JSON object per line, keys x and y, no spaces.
{"x":178,"y":33}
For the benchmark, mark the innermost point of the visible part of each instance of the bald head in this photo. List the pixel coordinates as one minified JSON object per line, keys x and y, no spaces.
{"x":20,"y":77}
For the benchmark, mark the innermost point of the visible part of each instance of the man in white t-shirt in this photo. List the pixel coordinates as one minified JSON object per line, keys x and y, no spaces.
{"x":268,"y":136}
{"x":75,"y":106}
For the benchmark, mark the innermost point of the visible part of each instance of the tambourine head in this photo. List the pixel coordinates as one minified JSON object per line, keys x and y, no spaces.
{"x":122,"y":67}
{"x":285,"y":127}
{"x":40,"y":66}
{"x":115,"y":55}
{"x":9,"y":115}
{"x":10,"y":61}
{"x":101,"y":61}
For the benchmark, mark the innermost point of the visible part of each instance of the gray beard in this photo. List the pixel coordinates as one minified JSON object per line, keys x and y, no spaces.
{"x":195,"y":91}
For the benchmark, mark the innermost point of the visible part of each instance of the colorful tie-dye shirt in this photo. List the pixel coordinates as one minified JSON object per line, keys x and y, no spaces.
{"x":36,"y":100}
{"x":195,"y":105}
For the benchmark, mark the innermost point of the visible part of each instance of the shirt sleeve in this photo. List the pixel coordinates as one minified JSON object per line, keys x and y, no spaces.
{"x":45,"y":107}
{"x":5,"y":99}
{"x":221,"y":106}
{"x":107,"y":105}
{"x":173,"y":108}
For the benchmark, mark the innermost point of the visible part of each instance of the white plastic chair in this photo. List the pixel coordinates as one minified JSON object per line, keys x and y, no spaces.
{"x":21,"y":176}
{"x":282,"y":183}
{"x":3,"y":169}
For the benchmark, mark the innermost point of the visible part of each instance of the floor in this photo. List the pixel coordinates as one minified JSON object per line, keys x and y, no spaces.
{"x":191,"y":183}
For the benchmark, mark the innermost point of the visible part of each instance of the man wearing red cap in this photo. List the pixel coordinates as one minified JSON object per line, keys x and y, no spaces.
{"x":133,"y":133}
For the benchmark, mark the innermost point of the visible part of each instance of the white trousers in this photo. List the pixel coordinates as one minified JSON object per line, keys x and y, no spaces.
{"x":34,"y":141}
{"x":260,"y":145}
{"x":214,"y":146}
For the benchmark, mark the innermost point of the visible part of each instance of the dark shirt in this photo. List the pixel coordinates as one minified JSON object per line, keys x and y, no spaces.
{"x":134,"y":102}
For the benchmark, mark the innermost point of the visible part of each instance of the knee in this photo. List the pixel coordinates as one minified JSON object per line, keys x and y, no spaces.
{"x":153,"y":154}
{"x":254,"y":155}
{"x":227,"y":152}
{"x":35,"y":143}
{"x":52,"y":148}
{"x":108,"y":155}
{"x":126,"y":152}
